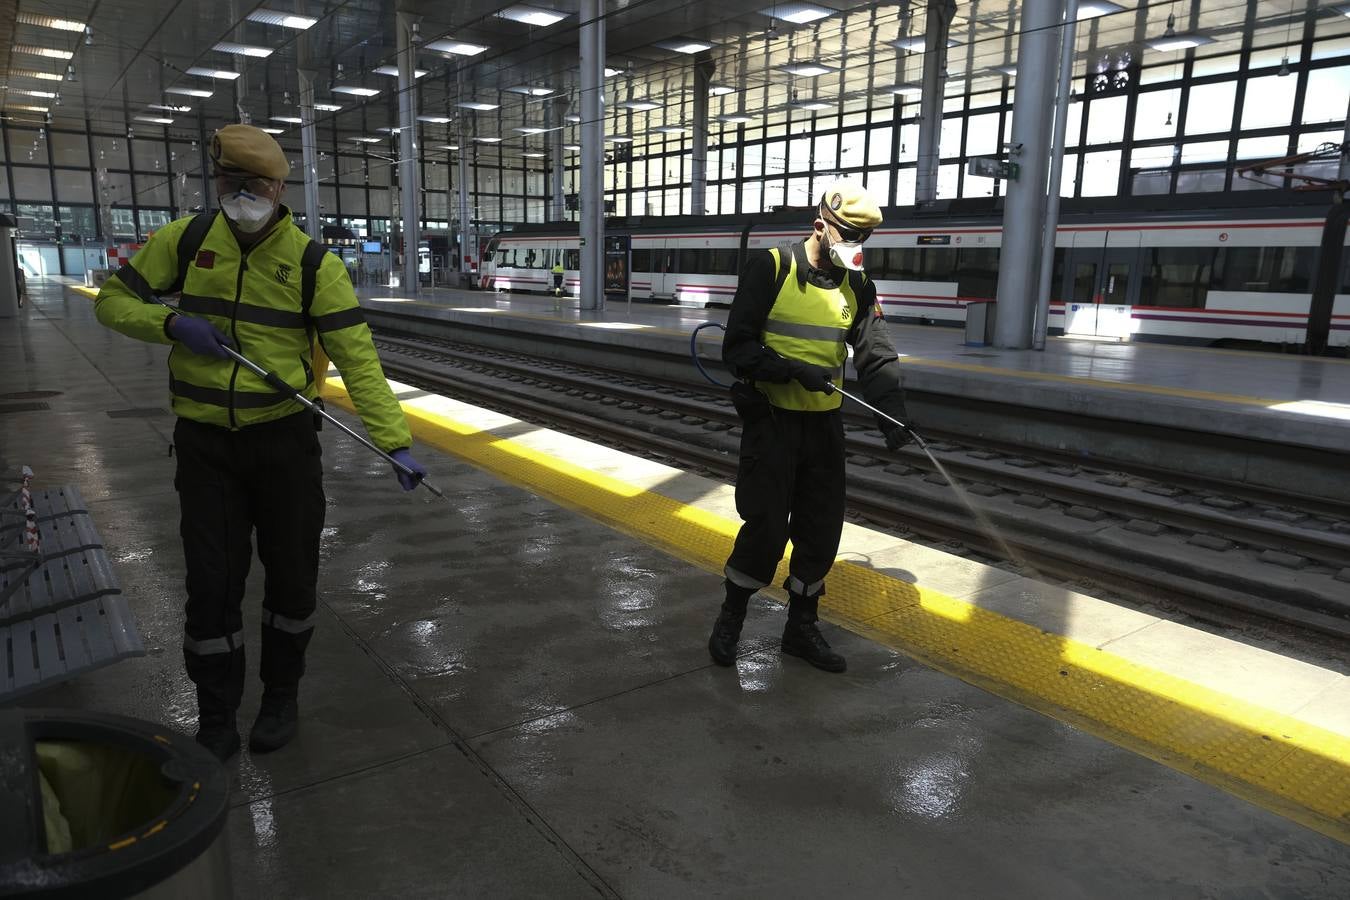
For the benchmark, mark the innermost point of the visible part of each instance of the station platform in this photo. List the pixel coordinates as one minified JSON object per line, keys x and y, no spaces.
{"x":510,"y":692}
{"x":1124,"y":402}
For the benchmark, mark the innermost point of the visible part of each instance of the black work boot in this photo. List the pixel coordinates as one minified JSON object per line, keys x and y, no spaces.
{"x":218,"y":733}
{"x":802,"y":637}
{"x":726,"y":631}
{"x":278,"y":718}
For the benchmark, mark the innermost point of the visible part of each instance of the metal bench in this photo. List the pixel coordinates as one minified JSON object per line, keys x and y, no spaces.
{"x":61,"y":609}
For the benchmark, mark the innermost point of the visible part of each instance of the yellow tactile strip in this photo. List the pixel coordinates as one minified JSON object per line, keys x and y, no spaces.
{"x":1290,"y":767}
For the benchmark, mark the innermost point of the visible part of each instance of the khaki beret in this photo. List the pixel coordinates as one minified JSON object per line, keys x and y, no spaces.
{"x":849,"y":203}
{"x":245,"y":149}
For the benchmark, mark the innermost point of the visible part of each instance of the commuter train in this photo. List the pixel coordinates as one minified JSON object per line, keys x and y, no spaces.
{"x":1175,"y":269}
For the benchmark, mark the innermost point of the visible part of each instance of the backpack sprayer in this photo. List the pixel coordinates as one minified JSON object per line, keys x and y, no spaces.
{"x":830,"y":387}
{"x":279,"y":384}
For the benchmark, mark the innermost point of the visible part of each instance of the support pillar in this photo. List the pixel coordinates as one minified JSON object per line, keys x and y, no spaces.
{"x":309,"y":154}
{"x":410,"y":193}
{"x":698,"y":164}
{"x":592,"y":155}
{"x":938,"y":25}
{"x":1024,"y":210}
{"x":556,"y":111}
{"x":1047,"y":273}
{"x":468,"y":249}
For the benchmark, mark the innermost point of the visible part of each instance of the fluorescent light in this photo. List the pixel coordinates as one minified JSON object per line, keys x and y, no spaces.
{"x":531,"y":90}
{"x":275,"y":130}
{"x":393,"y":71}
{"x":435,"y":120}
{"x":153,"y":120}
{"x":367,"y":140}
{"x":48,"y":95}
{"x":618,"y":139}
{"x":685,"y":45}
{"x":532,"y":130}
{"x":356,"y":91}
{"x":671,"y":129}
{"x":456,"y":48}
{"x":1179,"y":41}
{"x":572,"y":118}
{"x":474,"y":104}
{"x":446,"y":147}
{"x":532,"y":15}
{"x":41,"y":109}
{"x":488,"y":140}
{"x":42,"y":51}
{"x":719,"y":90}
{"x":33,"y":73}
{"x":188,"y":92}
{"x":735,"y":119}
{"x":327,"y":107}
{"x":243,"y":49}
{"x":808,"y":69}
{"x":168,"y":108}
{"x":916,"y":44}
{"x":572,"y":148}
{"x":289,"y":120}
{"x":639,"y":105}
{"x":905,"y":90}
{"x":797,"y":13}
{"x":27,"y":18}
{"x":284,"y":19}
{"x":533,"y":155}
{"x":812,"y":105}
{"x":222,"y":74}
{"x":388,"y":130}
{"x":610,"y":73}
{"x":1090,"y":9}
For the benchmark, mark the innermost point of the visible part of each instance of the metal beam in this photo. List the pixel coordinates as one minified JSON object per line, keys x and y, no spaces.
{"x":410,"y":195}
{"x":1066,"y":51}
{"x":698,"y":165}
{"x":592,"y":154}
{"x":939,"y":20}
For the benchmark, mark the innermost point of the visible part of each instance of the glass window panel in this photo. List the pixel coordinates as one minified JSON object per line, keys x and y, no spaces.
{"x":327,"y":200}
{"x":31,"y":183}
{"x":381,"y":172}
{"x":353,"y":201}
{"x":1176,"y":276}
{"x":1101,"y":174}
{"x":27,"y":146}
{"x":1068,"y":175}
{"x":1201,"y":181}
{"x":5,"y":193}
{"x":774,"y":192}
{"x":1328,"y":93}
{"x":1106,"y":120}
{"x":435,"y":177}
{"x":1204,"y":151}
{"x":775,"y":158}
{"x":1334,"y":47}
{"x":826,"y":153}
{"x":115,"y":188}
{"x":986,"y":99}
{"x":1155,"y":114}
{"x":852,"y":149}
{"x":74,"y":187}
{"x":1210,"y":108}
{"x":36,"y":219}
{"x":152,"y":191}
{"x":1215,"y":65}
{"x":152,"y":220}
{"x":878,"y":184}
{"x":799,"y":192}
{"x":149,"y":156}
{"x":905,"y":183}
{"x":948,"y":181}
{"x":110,"y":152}
{"x":79,"y":221}
{"x":799,"y":153}
{"x":1263,"y":148}
{"x":949,"y":143}
{"x":1312,"y":140}
{"x":982,"y":135}
{"x":1073,"y":123}
{"x":879,"y":146}
{"x":1269,"y":102}
{"x":1152,"y":182}
{"x":70,"y":149}
{"x":752,"y":194}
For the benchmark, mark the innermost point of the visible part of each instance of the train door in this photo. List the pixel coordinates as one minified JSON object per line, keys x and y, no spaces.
{"x":664,"y":274}
{"x":1101,"y":284}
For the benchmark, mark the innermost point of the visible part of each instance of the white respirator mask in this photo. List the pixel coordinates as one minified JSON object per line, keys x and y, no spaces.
{"x":247,"y":211}
{"x":848,"y":255}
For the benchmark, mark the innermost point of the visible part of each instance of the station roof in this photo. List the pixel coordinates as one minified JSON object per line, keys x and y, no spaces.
{"x":174,"y":66}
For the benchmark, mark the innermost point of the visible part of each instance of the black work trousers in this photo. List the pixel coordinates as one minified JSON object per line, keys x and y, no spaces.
{"x":789,"y":484}
{"x":266,"y":478}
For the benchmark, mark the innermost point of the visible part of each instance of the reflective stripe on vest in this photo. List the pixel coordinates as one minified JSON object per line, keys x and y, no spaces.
{"x":809,"y":324}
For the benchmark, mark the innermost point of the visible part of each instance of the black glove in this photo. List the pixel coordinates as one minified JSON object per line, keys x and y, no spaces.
{"x":897,"y":437}
{"x":814,"y":378}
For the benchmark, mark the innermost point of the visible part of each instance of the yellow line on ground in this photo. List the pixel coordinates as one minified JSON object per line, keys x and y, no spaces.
{"x":1285,"y":765}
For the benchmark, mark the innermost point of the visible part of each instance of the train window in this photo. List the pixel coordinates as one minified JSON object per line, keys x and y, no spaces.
{"x":528,"y":261}
{"x":977,"y":272}
{"x":642,"y":260}
{"x":721,"y":262}
{"x":572,"y":260}
{"x":689,"y":261}
{"x":1280,"y":269}
{"x":874,"y":261}
{"x":939,"y":263}
{"x":1176,"y":276}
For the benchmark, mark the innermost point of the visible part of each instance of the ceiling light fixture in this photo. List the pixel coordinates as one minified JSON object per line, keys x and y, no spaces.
{"x":573,"y":118}
{"x":533,"y":155}
{"x":327,"y":107}
{"x":917,"y":43}
{"x":671,"y":129}
{"x":456,"y":48}
{"x":354,"y":91}
{"x":475,"y":105}
{"x":393,"y":71}
{"x":367,"y":140}
{"x":27,"y":18}
{"x":289,"y":120}
{"x":48,"y":52}
{"x":797,"y":13}
{"x":808,"y":69}
{"x":168,"y":108}
{"x":1091,"y":9}
{"x":283,"y":19}
{"x":446,"y":147}
{"x":720,"y":90}
{"x":243,"y":49}
{"x":735,"y":119}
{"x":531,"y":90}
{"x":1174,"y":40}
{"x":532,"y":15}
{"x":618,"y":139}
{"x":435,"y":120}
{"x":274,"y":130}
{"x":572,"y":148}
{"x":32,"y":73}
{"x":153,"y":120}
{"x":639,"y":105}
{"x":388,"y":130}
{"x":221,"y":74}
{"x":46,"y":95}
{"x":488,"y":140}
{"x":905,"y":90}
{"x":189,"y":92}
{"x":41,"y":109}
{"x":685,"y":45}
{"x":531,"y":130}
{"x":811,"y":105}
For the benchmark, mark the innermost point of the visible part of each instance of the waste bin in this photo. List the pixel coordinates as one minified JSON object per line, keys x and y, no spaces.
{"x":104,"y":806}
{"x":979,"y":322}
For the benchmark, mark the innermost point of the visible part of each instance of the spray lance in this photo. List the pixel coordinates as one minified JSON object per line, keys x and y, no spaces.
{"x":279,"y":384}
{"x":829,"y":387}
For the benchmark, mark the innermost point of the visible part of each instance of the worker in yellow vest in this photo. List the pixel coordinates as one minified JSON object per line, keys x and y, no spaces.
{"x":248,"y":457}
{"x":558,"y":278}
{"x":796,"y":309}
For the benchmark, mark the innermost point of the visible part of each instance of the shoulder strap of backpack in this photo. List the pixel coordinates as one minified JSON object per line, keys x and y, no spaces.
{"x":783,"y":263}
{"x":189,"y":242}
{"x":310,"y":262}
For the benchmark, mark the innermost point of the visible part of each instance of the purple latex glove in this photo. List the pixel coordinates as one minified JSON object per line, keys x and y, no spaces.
{"x":199,"y":336}
{"x":408,"y":481}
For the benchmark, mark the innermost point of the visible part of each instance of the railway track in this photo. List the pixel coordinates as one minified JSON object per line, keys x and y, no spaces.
{"x":1219,"y":553}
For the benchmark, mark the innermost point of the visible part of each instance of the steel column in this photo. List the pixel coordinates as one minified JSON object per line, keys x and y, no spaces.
{"x":410,"y":195}
{"x":1066,"y":51}
{"x":592,"y":155}
{"x":698,"y":165}
{"x":938,"y":25}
